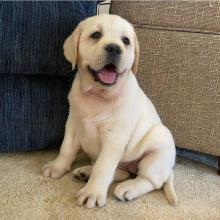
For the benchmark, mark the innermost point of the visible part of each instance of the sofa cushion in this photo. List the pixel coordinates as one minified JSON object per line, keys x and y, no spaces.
{"x":192,"y":16}
{"x":32,"y":34}
{"x":33,"y":111}
{"x":179,"y":71}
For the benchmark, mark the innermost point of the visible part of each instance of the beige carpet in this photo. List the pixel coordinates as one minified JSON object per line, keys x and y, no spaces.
{"x":25,"y":194}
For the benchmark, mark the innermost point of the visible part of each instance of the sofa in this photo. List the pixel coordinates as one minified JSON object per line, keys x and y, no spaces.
{"x":34,"y":76}
{"x":178,"y":70}
{"x":179,"y":67}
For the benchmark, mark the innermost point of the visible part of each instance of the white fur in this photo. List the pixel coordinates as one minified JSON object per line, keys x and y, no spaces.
{"x":112,"y":124}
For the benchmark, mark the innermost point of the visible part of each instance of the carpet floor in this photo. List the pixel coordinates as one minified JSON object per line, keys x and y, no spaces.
{"x":26,"y":194}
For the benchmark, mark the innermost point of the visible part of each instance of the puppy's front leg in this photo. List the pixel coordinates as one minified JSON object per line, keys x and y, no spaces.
{"x":67,"y":155}
{"x":95,"y":191}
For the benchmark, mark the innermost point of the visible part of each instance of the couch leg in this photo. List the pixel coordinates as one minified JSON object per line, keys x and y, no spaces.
{"x":218,"y":165}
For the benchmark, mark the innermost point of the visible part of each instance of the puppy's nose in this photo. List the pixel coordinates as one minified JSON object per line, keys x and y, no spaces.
{"x":113,"y":49}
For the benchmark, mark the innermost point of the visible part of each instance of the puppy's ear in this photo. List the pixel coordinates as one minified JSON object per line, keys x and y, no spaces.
{"x":134,"y":67}
{"x":70,"y":46}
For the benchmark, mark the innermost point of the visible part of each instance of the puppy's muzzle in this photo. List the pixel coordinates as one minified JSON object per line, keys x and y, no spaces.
{"x":108,"y":74}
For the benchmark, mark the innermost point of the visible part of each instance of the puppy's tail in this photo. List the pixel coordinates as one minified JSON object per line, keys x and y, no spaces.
{"x":169,"y":190}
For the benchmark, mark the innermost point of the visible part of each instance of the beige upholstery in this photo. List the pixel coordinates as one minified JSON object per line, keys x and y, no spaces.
{"x":180,"y":66}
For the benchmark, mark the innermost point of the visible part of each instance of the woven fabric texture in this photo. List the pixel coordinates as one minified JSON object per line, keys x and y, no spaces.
{"x":33,"y":95}
{"x":34,"y":112}
{"x":189,"y":15}
{"x":179,"y":71}
{"x":32,"y":34}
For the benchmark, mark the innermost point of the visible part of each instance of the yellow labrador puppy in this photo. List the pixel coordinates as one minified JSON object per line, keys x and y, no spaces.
{"x":111,"y":118}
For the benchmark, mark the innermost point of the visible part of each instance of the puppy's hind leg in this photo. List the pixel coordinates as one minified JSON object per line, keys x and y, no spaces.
{"x":155,"y":168}
{"x":121,"y":175}
{"x":83,"y":174}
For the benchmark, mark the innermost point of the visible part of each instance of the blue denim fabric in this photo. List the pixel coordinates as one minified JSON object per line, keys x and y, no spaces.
{"x":32,"y":34}
{"x":33,"y":111}
{"x":33,"y":81}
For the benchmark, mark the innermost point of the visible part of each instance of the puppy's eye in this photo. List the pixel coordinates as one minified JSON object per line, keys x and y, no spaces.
{"x":125,"y":40}
{"x":96,"y":35}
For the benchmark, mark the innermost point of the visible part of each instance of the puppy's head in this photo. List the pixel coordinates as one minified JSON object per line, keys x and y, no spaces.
{"x":104,"y":47}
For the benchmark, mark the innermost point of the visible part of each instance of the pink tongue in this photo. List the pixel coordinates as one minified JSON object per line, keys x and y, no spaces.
{"x":107,"y":75}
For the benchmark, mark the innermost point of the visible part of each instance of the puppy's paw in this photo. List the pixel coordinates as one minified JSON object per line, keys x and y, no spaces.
{"x":126,"y":191}
{"x":91,"y":196}
{"x":53,"y":169}
{"x":82,"y":173}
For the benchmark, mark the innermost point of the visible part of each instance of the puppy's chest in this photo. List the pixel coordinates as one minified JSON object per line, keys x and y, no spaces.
{"x":89,"y":123}
{"x":88,"y":136}
{"x":90,"y":114}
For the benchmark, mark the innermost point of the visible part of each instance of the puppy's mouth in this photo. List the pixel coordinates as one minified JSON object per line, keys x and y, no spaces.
{"x":106,"y":76}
